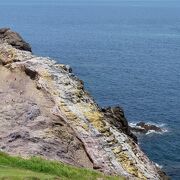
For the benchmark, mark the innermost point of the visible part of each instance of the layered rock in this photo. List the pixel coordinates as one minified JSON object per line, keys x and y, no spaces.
{"x":45,"y":111}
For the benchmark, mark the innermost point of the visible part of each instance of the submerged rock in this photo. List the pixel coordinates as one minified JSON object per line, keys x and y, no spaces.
{"x":45,"y":111}
{"x":142,"y":127}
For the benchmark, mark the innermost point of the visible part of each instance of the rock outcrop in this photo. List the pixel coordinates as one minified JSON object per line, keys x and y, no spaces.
{"x":115,"y":116}
{"x":45,"y":111}
{"x":14,"y":39}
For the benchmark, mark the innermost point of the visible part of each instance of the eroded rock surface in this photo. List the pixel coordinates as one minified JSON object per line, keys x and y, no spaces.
{"x":45,"y":111}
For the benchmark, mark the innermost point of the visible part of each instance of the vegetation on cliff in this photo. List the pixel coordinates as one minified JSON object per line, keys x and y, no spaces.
{"x":16,"y":168}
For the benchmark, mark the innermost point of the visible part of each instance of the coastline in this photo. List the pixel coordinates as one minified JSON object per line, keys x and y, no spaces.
{"x":57,"y":110}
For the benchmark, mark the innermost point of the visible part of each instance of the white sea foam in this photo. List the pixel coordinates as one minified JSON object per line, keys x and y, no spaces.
{"x":164,"y":130}
{"x":159,"y":166}
{"x":154,"y":132}
{"x":132,"y":124}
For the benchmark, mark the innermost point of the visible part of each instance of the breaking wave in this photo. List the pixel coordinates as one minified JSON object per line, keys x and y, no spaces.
{"x":160,"y":125}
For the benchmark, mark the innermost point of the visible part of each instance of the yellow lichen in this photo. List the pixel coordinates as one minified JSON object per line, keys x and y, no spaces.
{"x":129,"y":166}
{"x":96,"y":119}
{"x":43,"y":72}
{"x":85,"y":126}
{"x":117,"y":150}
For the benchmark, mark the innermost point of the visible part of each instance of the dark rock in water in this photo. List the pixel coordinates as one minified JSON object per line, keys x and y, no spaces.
{"x":116,"y":117}
{"x":142,"y":127}
{"x":14,"y":39}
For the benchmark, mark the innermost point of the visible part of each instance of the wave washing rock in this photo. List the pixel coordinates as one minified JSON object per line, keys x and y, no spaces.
{"x":45,"y":111}
{"x":144,"y":128}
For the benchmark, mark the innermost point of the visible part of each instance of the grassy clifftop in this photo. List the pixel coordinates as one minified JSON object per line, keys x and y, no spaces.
{"x":17,"y":168}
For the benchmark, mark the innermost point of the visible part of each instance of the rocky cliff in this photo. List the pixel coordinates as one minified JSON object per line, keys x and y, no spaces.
{"x":45,"y":111}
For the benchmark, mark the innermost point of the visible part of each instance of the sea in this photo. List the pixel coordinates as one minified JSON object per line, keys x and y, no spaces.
{"x":127,"y":52}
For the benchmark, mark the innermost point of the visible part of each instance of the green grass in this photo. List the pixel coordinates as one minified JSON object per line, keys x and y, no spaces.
{"x":17,"y":168}
{"x":9,"y":173}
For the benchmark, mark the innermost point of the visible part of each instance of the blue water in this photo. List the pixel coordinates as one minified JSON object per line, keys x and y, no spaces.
{"x":127,"y":53}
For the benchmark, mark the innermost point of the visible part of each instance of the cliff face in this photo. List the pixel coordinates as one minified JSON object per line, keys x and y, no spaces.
{"x":45,"y":111}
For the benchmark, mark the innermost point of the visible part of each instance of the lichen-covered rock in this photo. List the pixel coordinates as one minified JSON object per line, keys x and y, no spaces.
{"x":45,"y":111}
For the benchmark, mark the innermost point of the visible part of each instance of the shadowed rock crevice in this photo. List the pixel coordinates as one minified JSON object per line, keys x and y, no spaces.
{"x":31,"y":73}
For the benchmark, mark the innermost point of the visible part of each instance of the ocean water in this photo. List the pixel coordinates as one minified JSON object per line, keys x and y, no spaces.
{"x":126,"y":51}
